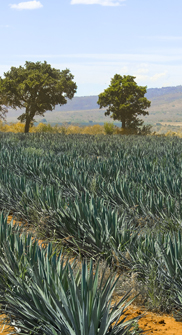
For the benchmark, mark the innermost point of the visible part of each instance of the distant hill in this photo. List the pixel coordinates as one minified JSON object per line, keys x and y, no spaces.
{"x":154,"y":94}
{"x":166,"y":106}
{"x":80,"y":103}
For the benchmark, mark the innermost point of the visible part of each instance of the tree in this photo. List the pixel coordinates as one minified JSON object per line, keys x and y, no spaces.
{"x":125,"y":101}
{"x":3,"y":108}
{"x":36,"y":87}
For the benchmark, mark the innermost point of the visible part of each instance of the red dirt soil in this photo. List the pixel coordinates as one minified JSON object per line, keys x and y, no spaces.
{"x":150,"y":323}
{"x":5,"y":330}
{"x":153,"y":323}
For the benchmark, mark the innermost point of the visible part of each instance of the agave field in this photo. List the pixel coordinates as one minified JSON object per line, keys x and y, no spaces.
{"x":113,"y":199}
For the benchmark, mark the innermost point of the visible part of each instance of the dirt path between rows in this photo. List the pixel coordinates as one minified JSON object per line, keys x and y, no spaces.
{"x":153,"y":323}
{"x":150,"y":323}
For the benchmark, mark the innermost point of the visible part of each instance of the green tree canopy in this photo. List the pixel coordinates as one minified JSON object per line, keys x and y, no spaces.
{"x":36,"y":87}
{"x":125,"y":100}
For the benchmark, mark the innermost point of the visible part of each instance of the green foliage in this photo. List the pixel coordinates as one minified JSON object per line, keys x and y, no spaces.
{"x":144,"y":130}
{"x":36,"y":87}
{"x":160,"y":294}
{"x":63,"y":130}
{"x":34,"y":151}
{"x":3,"y":108}
{"x":156,"y":259}
{"x":46,"y":128}
{"x":125,"y":100}
{"x":109,"y":128}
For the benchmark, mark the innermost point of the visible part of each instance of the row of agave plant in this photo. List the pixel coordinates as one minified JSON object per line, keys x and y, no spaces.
{"x":94,"y":191}
{"x":157,"y":260}
{"x":143,"y":172}
{"x":43,"y":293}
{"x":95,"y":194}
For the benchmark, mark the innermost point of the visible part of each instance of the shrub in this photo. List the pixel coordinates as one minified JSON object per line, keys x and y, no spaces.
{"x":46,"y":128}
{"x":109,"y":128}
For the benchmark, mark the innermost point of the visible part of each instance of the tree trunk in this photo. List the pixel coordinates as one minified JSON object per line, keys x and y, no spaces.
{"x":27,"y":124}
{"x":123,"y":123}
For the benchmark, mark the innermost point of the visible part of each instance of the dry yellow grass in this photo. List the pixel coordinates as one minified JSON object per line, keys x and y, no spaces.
{"x":41,"y":127}
{"x":66,"y":129}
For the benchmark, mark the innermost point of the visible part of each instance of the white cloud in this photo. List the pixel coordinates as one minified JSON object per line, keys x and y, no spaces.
{"x":97,"y":2}
{"x":4,"y":26}
{"x":27,"y":5}
{"x":140,"y":77}
{"x":143,"y":69}
{"x":144,"y":74}
{"x":157,"y":76}
{"x":150,"y":78}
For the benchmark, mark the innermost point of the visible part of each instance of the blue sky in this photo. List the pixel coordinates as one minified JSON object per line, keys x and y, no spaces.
{"x":96,"y":39}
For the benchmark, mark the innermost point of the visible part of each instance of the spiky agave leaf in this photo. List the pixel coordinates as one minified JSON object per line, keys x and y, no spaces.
{"x":7,"y":230}
{"x":86,"y":310}
{"x":20,"y":286}
{"x":22,"y":262}
{"x":171,"y":253}
{"x":83,"y":309}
